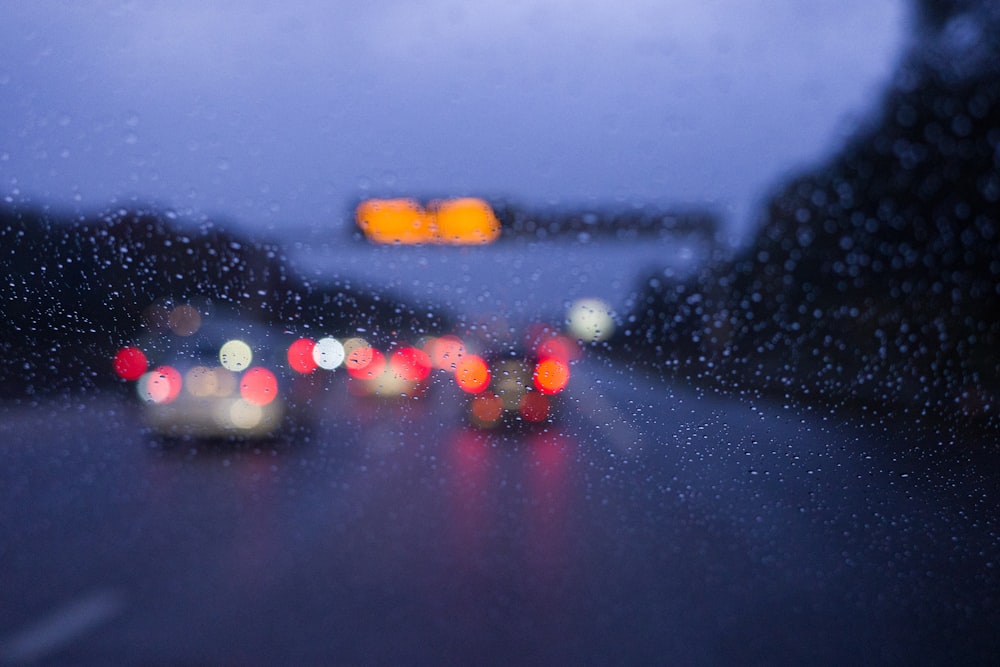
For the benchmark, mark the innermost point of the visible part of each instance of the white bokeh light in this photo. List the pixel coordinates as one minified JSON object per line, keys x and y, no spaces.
{"x":235,"y":355}
{"x":590,"y":320}
{"x":328,"y":353}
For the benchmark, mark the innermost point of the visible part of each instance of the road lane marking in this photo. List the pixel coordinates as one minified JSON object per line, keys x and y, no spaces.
{"x":609,"y":420}
{"x":61,"y":626}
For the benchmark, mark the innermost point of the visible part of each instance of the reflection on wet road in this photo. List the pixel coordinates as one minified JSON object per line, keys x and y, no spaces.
{"x":650,"y":524}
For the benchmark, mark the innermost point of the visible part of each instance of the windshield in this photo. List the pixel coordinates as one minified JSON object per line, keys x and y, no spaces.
{"x":501,"y":332}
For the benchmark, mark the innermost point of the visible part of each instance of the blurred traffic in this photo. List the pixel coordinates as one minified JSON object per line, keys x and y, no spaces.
{"x":209,"y":366}
{"x":205,"y":377}
{"x":209,"y":373}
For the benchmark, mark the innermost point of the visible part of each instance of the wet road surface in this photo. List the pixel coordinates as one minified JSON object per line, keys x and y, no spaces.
{"x":652,"y":524}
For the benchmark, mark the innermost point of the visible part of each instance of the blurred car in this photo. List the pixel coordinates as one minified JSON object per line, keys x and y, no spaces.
{"x":215,"y":379}
{"x":517,"y":387}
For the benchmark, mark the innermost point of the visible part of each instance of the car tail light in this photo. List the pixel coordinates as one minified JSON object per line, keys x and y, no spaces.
{"x":258,"y":386}
{"x":472,"y":374}
{"x":551,"y":376}
{"x":411,"y":364}
{"x":300,"y":356}
{"x":130,"y":363}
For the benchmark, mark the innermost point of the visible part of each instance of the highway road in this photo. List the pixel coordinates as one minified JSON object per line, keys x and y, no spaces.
{"x":653,"y":523}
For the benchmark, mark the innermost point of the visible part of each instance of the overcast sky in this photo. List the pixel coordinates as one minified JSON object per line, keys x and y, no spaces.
{"x":285,"y":113}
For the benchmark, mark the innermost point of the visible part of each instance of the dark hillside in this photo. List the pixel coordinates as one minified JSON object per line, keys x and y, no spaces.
{"x":75,"y":290}
{"x":874,"y":280}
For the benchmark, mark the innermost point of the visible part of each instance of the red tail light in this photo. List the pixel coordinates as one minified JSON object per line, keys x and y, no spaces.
{"x":259,"y":386}
{"x":300,"y":356}
{"x":130,"y":363}
{"x":411,"y":364}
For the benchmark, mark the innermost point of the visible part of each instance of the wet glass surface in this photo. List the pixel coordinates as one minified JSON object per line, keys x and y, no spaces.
{"x":708,"y":375}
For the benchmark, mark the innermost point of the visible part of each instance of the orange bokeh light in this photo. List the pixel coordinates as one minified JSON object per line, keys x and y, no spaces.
{"x":300,"y":356}
{"x":388,"y":221}
{"x":551,"y":375}
{"x":365,"y":363}
{"x":259,"y":386}
{"x":472,"y":374}
{"x":486,"y":408}
{"x":463,"y":221}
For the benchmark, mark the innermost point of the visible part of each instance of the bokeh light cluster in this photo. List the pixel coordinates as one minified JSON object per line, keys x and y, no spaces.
{"x":499,"y":384}
{"x":464,"y":221}
{"x":233,"y":396}
{"x":523,"y":387}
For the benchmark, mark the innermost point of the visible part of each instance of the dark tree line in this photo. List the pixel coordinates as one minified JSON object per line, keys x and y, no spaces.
{"x":73,"y":291}
{"x":875,"y":280}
